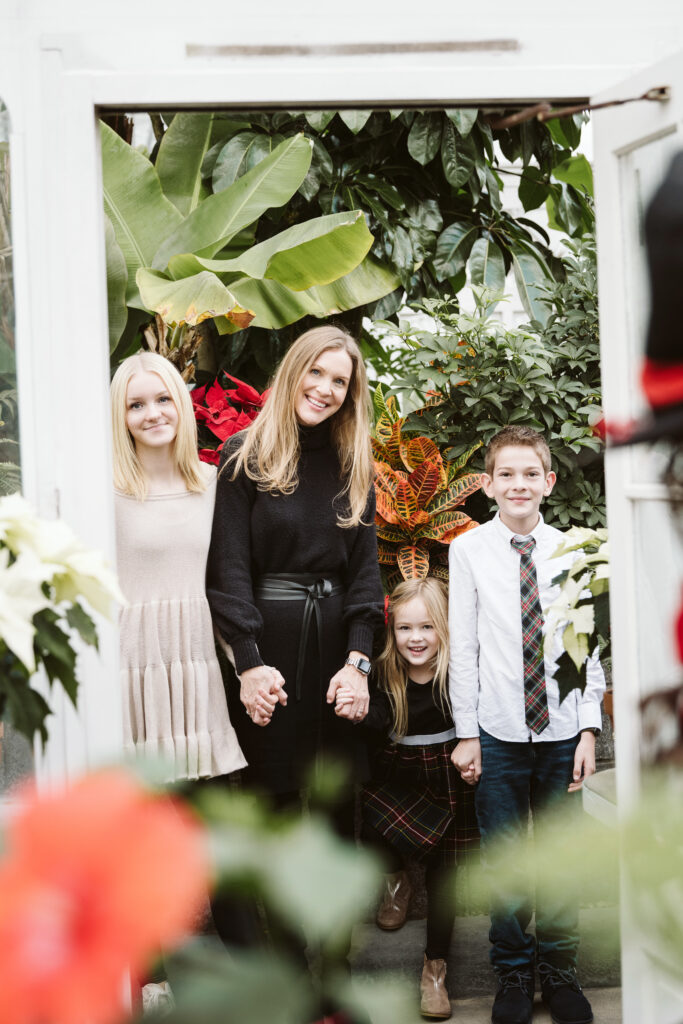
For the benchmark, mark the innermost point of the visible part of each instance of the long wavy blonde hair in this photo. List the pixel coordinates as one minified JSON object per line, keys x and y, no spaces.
{"x":129,"y":476}
{"x":392,"y":669}
{"x":271,"y":449}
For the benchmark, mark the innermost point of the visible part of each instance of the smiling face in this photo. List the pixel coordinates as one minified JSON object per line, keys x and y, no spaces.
{"x":518,"y":485}
{"x":151,"y":413}
{"x":416,"y":638}
{"x":323,"y":387}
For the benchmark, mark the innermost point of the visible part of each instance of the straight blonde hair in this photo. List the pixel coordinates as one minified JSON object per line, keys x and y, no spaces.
{"x":129,"y":476}
{"x":271,"y":449}
{"x":392,"y":668}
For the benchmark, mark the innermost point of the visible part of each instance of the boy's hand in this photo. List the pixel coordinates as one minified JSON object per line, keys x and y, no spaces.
{"x":467,"y":759}
{"x":584,"y":761}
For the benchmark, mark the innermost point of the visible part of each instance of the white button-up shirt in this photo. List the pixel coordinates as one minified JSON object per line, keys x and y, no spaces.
{"x":486,"y":669}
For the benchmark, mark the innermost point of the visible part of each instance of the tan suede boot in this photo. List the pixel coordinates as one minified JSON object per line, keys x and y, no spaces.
{"x":394,"y":906}
{"x":434,"y":1003}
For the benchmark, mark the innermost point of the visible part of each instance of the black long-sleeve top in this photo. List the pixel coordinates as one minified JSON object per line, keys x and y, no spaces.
{"x":425,"y":714}
{"x":257,"y":532}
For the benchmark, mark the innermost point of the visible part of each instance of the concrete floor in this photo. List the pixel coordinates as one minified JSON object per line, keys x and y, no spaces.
{"x":471,"y":983}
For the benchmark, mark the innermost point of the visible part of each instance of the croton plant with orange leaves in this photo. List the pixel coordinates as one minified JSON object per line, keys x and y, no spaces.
{"x":418,"y":497}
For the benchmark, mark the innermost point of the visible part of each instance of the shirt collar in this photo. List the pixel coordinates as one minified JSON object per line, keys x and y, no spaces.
{"x":508,"y":534}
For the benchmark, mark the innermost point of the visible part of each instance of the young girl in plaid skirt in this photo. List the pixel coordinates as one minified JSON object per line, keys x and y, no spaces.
{"x":416,"y":806}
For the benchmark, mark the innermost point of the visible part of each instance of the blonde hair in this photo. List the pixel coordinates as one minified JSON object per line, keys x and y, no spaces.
{"x":392,"y":669}
{"x":271,"y":449}
{"x":129,"y":476}
{"x":517,"y":436}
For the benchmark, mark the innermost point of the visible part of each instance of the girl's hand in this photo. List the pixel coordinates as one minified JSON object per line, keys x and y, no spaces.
{"x":349,"y":678}
{"x":467,"y":759}
{"x":343,"y":702}
{"x":261,"y":688}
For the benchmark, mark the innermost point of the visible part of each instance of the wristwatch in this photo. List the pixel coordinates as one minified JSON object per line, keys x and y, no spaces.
{"x":362,"y":664}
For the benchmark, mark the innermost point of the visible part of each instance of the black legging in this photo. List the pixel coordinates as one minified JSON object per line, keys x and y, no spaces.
{"x":440,"y":885}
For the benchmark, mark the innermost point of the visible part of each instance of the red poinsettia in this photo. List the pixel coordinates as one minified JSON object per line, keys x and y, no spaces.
{"x":225,"y":411}
{"x":94,"y":881}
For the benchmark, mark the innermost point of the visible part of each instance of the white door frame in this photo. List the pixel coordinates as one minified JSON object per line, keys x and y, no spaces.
{"x":53,"y":79}
{"x":633,"y":146}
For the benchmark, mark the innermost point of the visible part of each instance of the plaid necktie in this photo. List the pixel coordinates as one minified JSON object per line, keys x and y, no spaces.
{"x":535,"y":698}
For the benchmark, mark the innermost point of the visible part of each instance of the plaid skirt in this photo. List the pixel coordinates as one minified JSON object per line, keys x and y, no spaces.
{"x":418,"y":802}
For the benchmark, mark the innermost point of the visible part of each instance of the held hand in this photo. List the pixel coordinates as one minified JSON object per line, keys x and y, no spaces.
{"x":261,"y":688}
{"x":343,"y":702}
{"x":467,"y":759}
{"x":349,"y":678}
{"x":584,"y":761}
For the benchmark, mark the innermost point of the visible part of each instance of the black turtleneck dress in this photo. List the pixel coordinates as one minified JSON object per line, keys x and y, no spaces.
{"x":257,"y":532}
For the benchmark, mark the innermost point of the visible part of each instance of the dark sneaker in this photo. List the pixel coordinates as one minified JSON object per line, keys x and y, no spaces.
{"x":514,"y":1000}
{"x":563,"y":996}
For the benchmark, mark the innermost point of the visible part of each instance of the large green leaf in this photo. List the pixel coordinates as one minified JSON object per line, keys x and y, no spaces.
{"x":233,"y":158}
{"x":576,"y":171}
{"x":531,"y":278}
{"x":277,"y":306}
{"x":463,"y":118}
{"x":180,"y":158}
{"x":355,"y":119}
{"x":566,"y":131}
{"x":452,"y":249}
{"x":133,"y":200}
{"x":424,"y":137}
{"x":215,"y":221}
{"x":486,"y":264}
{"x":316,"y":252}
{"x":190,"y":300}
{"x":455,"y":158}
{"x":319,"y":119}
{"x":533,"y":188}
{"x":117,"y":282}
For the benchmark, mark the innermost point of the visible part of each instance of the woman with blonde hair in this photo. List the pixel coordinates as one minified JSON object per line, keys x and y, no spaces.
{"x":174,"y":703}
{"x":293,"y":578}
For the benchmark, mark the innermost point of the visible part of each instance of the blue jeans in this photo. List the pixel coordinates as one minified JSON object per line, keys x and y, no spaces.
{"x":517,"y":778}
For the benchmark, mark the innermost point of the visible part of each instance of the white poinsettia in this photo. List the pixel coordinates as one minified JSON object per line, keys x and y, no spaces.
{"x":21,"y":597}
{"x":572,"y":615}
{"x":84,"y":573}
{"x":72,"y":569}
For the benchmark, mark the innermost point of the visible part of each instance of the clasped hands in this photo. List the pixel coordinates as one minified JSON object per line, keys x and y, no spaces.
{"x":467,"y":759}
{"x":262,"y":688}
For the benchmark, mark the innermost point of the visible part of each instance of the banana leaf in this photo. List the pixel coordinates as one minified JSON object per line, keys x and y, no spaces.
{"x":180,"y":157}
{"x":133,"y":200}
{"x":276,"y":306}
{"x":219,"y":217}
{"x":317,"y":252}
{"x":190,"y":300}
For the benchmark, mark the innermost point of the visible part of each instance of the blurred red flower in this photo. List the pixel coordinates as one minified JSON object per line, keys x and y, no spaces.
{"x":225,"y":411}
{"x":94,"y":881}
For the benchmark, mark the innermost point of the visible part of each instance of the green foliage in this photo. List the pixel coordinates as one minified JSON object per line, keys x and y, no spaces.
{"x":23,"y":706}
{"x":546,"y":377}
{"x":429,"y":184}
{"x":314,"y":888}
{"x":178,"y":249}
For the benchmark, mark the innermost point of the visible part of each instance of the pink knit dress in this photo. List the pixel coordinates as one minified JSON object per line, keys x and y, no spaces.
{"x":174,"y":703}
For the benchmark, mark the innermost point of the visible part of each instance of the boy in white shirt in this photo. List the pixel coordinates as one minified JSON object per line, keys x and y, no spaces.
{"x":523,"y":749}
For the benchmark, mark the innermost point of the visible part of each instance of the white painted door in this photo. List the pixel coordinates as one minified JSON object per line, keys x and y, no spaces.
{"x":633,"y":146}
